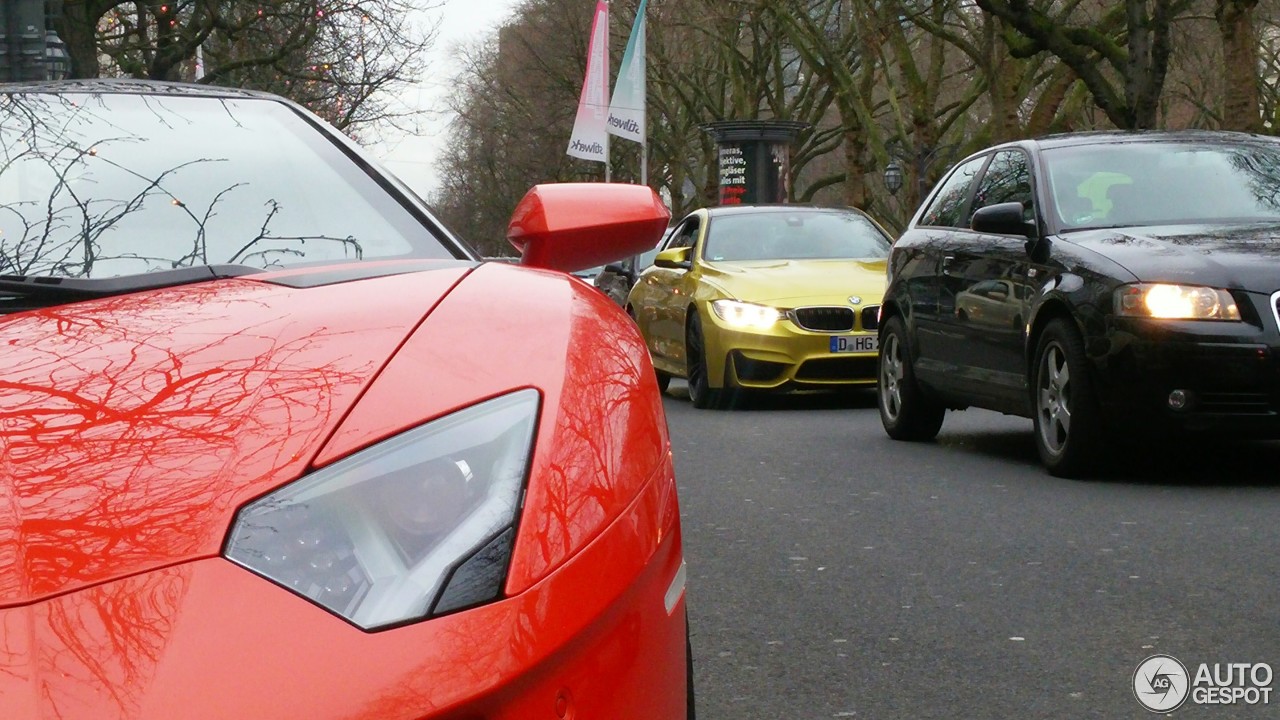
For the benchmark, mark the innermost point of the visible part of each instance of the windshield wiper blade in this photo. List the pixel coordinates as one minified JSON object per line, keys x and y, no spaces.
{"x":46,"y":290}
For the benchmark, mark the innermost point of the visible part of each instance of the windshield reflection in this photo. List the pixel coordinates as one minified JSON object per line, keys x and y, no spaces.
{"x":1165,"y":183}
{"x":108,"y":184}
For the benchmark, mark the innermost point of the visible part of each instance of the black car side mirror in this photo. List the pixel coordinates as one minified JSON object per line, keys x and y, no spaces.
{"x":1002,"y":219}
{"x":622,"y":270}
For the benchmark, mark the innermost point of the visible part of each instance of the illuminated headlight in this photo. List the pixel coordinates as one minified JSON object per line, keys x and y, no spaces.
{"x":745,"y":315}
{"x":1181,"y":302}
{"x":418,"y":525}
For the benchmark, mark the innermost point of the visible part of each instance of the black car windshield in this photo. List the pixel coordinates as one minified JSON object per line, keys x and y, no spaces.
{"x":795,"y":235}
{"x":96,"y":185}
{"x":1164,"y":183}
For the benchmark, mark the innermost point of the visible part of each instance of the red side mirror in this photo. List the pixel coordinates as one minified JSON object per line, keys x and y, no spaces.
{"x":574,"y":226}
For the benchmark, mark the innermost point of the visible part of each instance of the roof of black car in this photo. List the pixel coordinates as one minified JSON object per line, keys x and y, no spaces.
{"x":1101,"y":137}
{"x":129,"y":86}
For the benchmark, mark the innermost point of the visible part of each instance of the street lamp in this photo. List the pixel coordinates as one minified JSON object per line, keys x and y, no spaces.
{"x":921,"y":162}
{"x":893,"y":177}
{"x":57,"y":63}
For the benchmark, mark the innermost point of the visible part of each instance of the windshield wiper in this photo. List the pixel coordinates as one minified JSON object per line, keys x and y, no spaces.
{"x":21,"y":292}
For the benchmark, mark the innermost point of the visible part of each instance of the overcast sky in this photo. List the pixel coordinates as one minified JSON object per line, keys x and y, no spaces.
{"x":413,"y":157}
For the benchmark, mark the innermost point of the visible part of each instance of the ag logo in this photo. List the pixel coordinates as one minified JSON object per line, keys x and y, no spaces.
{"x":1161,"y":683}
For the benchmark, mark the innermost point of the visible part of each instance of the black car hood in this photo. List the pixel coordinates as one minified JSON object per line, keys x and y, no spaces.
{"x":1243,"y":257}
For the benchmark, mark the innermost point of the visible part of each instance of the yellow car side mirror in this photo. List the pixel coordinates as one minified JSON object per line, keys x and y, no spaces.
{"x":675,"y":258}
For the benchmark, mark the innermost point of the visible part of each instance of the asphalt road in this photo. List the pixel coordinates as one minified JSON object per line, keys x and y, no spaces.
{"x":837,"y":573}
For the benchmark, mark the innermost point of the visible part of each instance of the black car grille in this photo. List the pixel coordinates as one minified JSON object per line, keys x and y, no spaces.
{"x":1240,"y":403}
{"x":824,"y":319}
{"x":860,"y":368}
{"x":871,"y":318}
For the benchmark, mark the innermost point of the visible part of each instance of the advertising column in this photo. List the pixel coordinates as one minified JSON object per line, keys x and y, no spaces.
{"x":753,"y":159}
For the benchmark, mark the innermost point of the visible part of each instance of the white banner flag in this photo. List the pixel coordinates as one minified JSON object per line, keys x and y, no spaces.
{"x":626,"y":112}
{"x":590,"y":139}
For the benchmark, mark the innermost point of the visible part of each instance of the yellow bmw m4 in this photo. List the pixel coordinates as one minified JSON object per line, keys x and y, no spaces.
{"x":776,"y":297}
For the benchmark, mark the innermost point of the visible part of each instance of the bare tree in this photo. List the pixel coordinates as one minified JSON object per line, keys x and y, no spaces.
{"x":921,"y":82}
{"x":1130,"y":39}
{"x":341,"y":58}
{"x":514,"y":107}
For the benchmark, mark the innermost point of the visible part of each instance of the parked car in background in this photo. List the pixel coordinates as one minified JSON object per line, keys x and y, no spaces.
{"x":997,"y":302}
{"x":764,"y":297}
{"x":1103,"y":285}
{"x":616,"y":279}
{"x":588,"y":275}
{"x":277,"y":445}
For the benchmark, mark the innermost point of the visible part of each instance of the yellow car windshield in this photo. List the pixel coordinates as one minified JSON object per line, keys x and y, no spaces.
{"x":803,"y":234}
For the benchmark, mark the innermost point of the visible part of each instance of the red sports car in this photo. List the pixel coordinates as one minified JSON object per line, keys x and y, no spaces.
{"x":275,"y":444}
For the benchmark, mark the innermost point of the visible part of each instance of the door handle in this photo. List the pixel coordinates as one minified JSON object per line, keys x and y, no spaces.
{"x":947,"y":260}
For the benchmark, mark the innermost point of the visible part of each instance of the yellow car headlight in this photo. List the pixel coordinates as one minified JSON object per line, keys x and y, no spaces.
{"x":745,"y":315}
{"x":1176,"y":302}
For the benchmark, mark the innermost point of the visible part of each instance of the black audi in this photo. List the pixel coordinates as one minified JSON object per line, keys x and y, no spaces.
{"x":1101,"y":284}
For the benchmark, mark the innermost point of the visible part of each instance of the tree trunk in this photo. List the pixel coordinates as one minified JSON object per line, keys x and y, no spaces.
{"x":78,"y":29}
{"x":1240,"y":107}
{"x":1052,"y":99}
{"x":855,"y":184}
{"x":1004,"y":93}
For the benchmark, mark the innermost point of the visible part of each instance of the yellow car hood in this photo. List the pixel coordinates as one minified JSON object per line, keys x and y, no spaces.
{"x":792,"y":283}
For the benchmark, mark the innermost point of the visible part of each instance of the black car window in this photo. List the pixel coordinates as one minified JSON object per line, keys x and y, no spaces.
{"x":1007,"y":179}
{"x":97,"y":185}
{"x":949,"y":204}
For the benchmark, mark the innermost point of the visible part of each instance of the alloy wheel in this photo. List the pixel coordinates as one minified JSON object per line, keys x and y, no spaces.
{"x":891,"y":376}
{"x":1053,"y":393}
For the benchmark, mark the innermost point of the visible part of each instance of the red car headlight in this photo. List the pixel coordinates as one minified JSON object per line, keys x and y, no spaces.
{"x":415,"y":526}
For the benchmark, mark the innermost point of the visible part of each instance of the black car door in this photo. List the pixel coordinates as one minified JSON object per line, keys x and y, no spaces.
{"x":984,"y":293}
{"x":917,"y":258}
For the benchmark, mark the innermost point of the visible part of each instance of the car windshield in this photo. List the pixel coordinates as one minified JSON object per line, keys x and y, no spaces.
{"x":98,"y":185}
{"x":1164,"y":183}
{"x":798,"y":235}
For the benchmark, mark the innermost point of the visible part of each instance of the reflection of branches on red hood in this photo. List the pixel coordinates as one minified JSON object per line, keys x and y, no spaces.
{"x":111,"y":638}
{"x":604,"y":398}
{"x":132,"y":425}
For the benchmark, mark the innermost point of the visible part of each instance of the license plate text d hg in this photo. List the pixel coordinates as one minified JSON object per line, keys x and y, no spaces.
{"x":855,"y":344}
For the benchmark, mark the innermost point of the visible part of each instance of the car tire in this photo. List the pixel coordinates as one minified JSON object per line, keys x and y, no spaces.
{"x":664,"y":380}
{"x":1068,"y":421}
{"x":701,"y":394}
{"x":691,"y":711}
{"x":905,"y":411}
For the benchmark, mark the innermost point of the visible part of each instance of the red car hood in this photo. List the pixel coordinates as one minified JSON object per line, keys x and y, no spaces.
{"x":132,"y":427}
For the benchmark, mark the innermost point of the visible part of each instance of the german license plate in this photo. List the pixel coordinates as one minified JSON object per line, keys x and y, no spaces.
{"x":855,"y":344}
